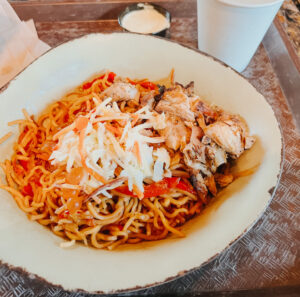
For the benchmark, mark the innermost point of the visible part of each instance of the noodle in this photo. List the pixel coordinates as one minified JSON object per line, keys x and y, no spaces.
{"x":44,"y":191}
{"x":5,"y":137}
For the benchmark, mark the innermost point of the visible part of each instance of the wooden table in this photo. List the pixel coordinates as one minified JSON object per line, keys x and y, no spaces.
{"x":265,"y":262}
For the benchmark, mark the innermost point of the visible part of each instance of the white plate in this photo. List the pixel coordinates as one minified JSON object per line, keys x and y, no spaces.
{"x":34,"y":248}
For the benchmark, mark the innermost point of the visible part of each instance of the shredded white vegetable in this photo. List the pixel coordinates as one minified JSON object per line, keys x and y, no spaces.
{"x":106,"y":150}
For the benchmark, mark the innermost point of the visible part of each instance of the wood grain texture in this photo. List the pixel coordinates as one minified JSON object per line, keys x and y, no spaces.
{"x":268,"y":255}
{"x":59,"y":11}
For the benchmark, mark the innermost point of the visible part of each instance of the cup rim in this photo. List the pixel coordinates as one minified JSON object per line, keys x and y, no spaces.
{"x":250,"y":4}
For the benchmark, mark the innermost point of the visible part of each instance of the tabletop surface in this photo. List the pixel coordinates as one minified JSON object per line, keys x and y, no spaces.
{"x":267,"y":258}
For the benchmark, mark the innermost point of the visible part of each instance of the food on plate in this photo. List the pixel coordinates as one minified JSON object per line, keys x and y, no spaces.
{"x":119,"y":161}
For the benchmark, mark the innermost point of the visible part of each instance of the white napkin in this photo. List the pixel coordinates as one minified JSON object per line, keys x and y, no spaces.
{"x":19,"y":43}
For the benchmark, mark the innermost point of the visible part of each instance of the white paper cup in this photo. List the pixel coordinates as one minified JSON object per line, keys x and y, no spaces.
{"x":231,"y":30}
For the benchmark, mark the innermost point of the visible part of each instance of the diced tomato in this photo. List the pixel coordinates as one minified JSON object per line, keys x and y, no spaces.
{"x":120,"y":227}
{"x":36,"y":180}
{"x":66,"y":117}
{"x":111,"y":77}
{"x":124,"y":190}
{"x":27,"y":190}
{"x":186,"y":187}
{"x":24,"y":164}
{"x":160,"y":188}
{"x":89,"y":84}
{"x":149,"y":85}
{"x":155,"y":189}
{"x":172,"y":181}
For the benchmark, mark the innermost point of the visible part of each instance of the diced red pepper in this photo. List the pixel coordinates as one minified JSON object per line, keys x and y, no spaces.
{"x":36,"y":180}
{"x":160,"y":188}
{"x":149,"y":85}
{"x":27,"y":190}
{"x":172,"y":181}
{"x":24,"y":164}
{"x":124,"y":190}
{"x":120,"y":227}
{"x":155,"y":189}
{"x":110,"y":78}
{"x":66,"y":117}
{"x":186,"y":187}
{"x":89,"y":84}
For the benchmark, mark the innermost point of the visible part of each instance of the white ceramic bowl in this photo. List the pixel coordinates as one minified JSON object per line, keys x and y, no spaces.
{"x":34,"y":248}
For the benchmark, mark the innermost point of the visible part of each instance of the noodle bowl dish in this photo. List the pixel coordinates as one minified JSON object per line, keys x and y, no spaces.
{"x":118,"y":160}
{"x":112,"y":158}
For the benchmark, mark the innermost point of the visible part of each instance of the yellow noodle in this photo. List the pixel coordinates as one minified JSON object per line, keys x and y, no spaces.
{"x":36,"y":184}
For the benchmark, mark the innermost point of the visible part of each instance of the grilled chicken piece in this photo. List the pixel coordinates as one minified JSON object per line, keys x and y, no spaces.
{"x":176,"y":102}
{"x":148,"y":99}
{"x":199,"y":185}
{"x":239,"y":121}
{"x":121,"y":91}
{"x":223,"y":180}
{"x":216,"y":156}
{"x":211,"y":184}
{"x":195,"y":159}
{"x":201,"y":155}
{"x":194,"y":152}
{"x":176,"y":133}
{"x":227,"y":135}
{"x":196,"y":136}
{"x":231,"y":133}
{"x":189,"y":89}
{"x":203,"y":158}
{"x":203,"y":110}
